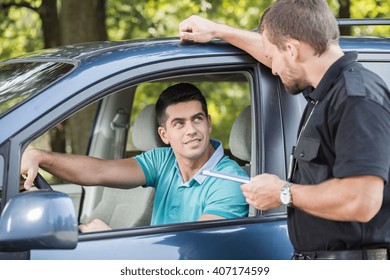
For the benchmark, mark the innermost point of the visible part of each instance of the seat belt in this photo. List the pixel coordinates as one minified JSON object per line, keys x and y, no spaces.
{"x":120,"y":125}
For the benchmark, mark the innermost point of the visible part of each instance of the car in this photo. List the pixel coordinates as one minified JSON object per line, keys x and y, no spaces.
{"x":120,"y":81}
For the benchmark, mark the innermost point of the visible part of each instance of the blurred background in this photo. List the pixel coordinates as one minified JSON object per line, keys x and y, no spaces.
{"x":29,"y":25}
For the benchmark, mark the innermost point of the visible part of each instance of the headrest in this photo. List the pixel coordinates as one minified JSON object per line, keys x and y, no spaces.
{"x":240,"y":140}
{"x":145,"y":136}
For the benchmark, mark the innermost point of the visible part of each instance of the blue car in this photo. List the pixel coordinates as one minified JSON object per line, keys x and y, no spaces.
{"x":118,"y":82}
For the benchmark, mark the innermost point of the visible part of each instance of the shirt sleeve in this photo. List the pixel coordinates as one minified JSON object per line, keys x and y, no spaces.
{"x":362,"y":140}
{"x":225,"y":197}
{"x":153,"y":163}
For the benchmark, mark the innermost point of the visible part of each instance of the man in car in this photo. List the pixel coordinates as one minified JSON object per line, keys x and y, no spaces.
{"x":182,"y":194}
{"x":338,"y":192}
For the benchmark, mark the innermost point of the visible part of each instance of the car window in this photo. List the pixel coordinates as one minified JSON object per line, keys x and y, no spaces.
{"x":19,"y":81}
{"x":112,"y":124}
{"x":225,"y":100}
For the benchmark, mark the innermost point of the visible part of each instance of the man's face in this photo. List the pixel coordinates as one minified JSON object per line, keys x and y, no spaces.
{"x":284,"y":65}
{"x":187,"y":130}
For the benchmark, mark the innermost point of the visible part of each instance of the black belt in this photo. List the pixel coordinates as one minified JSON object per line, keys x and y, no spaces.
{"x":365,"y":254}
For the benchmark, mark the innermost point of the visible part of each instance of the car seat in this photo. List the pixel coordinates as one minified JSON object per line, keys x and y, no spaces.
{"x":240,"y":142}
{"x":240,"y":139}
{"x":123,"y":208}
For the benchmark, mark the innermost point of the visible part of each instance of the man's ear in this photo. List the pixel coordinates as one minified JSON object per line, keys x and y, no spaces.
{"x":296,"y":50}
{"x":292,"y":50}
{"x":210,"y":125}
{"x":163,"y":135}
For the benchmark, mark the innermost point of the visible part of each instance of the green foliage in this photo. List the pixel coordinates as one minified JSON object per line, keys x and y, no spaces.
{"x":371,"y":9}
{"x":146,"y":19}
{"x":20,"y":24}
{"x":225,"y":102}
{"x":20,"y":32}
{"x":366,"y":9}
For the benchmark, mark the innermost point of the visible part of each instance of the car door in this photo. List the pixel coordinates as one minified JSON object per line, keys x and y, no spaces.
{"x":259,"y":236}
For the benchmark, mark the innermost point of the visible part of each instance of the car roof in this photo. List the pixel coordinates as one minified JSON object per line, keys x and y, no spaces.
{"x":111,"y":50}
{"x":93,"y":51}
{"x":365,"y":44}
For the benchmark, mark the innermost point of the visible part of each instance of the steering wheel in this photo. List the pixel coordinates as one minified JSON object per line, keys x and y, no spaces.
{"x":41,"y":183}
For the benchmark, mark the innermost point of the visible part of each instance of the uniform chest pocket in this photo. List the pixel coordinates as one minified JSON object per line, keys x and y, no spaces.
{"x":307,"y":149}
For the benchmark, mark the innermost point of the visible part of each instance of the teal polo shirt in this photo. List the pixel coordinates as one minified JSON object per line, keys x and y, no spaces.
{"x":177,"y":201}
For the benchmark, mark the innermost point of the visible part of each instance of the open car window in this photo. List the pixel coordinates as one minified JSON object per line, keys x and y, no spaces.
{"x":112,"y":137}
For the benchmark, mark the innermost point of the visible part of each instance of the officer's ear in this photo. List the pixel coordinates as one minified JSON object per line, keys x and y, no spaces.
{"x":298,"y":51}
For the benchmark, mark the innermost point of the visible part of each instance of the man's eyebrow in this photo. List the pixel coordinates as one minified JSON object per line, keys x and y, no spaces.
{"x":198,"y":115}
{"x":192,"y":117}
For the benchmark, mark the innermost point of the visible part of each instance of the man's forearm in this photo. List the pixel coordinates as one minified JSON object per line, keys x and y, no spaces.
{"x":202,"y":30}
{"x":76,"y":169}
{"x":249,"y":41}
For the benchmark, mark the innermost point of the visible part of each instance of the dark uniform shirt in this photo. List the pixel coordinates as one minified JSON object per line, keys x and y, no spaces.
{"x":346,"y":134}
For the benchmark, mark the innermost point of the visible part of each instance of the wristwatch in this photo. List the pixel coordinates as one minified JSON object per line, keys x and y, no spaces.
{"x":285,"y":194}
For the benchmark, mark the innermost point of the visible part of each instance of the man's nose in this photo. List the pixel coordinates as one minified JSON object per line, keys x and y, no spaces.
{"x":191,"y":128}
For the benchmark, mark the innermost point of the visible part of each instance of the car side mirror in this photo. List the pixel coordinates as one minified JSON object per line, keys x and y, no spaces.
{"x":38,"y":220}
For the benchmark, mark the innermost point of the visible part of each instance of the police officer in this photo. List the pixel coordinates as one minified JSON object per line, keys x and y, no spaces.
{"x":337,"y":193}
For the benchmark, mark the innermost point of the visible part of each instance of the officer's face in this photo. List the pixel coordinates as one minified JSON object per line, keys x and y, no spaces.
{"x":283,"y":64}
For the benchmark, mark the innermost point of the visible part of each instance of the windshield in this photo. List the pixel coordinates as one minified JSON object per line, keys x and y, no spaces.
{"x":19,"y":81}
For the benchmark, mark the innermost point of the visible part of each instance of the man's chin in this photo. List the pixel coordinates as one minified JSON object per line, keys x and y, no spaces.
{"x":293,"y":91}
{"x":194,"y":154}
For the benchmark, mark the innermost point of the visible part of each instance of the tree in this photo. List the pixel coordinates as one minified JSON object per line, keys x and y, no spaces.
{"x":80,"y":21}
{"x":28,"y":25}
{"x":345,"y":12}
{"x":70,"y":22}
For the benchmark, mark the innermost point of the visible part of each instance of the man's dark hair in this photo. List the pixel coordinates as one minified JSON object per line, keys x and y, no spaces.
{"x":178,"y":93}
{"x":309,"y":21}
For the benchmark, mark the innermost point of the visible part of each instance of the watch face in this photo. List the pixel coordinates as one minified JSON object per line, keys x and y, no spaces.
{"x":285,"y":197}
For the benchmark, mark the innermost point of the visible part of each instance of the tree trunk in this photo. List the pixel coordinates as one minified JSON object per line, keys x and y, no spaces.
{"x":48,"y":13}
{"x":82,"y":21}
{"x":77,"y":22}
{"x":345,"y":12}
{"x":50,"y":23}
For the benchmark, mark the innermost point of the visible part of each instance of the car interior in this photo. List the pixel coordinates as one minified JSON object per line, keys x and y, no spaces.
{"x":125,"y":125}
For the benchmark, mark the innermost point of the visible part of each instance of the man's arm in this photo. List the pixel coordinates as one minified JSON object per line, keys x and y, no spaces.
{"x":202,"y":30}
{"x":209,"y":217}
{"x":82,"y":170}
{"x":349,"y":199}
{"x":94,"y":225}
